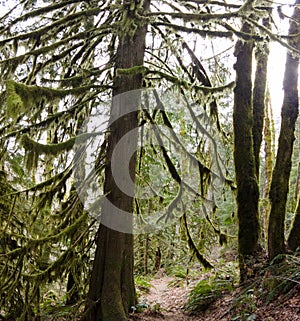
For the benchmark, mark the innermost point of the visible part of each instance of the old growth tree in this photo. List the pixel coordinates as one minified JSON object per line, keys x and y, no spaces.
{"x":111,"y":292}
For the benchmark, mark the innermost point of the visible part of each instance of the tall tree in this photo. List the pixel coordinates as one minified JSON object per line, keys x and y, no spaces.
{"x":247,"y":185}
{"x":289,"y":113}
{"x":112,"y":291}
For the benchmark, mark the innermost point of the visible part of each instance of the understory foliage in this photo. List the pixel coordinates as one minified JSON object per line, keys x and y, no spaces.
{"x":57,"y":66}
{"x":209,"y":290}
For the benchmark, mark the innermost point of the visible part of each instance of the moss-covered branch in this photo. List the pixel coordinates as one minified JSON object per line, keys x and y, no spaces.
{"x":54,"y":149}
{"x":71,"y":18}
{"x":183,"y":83}
{"x":195,"y":17}
{"x":202,"y":33}
{"x":43,"y":10}
{"x":65,"y":115}
{"x":240,"y":33}
{"x":55,"y":45}
{"x":22,"y":98}
{"x":277,"y":38}
{"x":193,"y":247}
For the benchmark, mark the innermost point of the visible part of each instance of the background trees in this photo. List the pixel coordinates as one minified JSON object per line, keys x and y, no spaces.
{"x":61,"y":63}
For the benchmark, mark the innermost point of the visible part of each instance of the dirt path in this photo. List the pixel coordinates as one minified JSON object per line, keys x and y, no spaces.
{"x":168,"y":295}
{"x":165,"y":293}
{"x":166,"y":299}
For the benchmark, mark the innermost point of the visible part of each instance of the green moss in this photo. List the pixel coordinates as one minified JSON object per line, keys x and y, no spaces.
{"x":132,"y":71}
{"x":13,"y":100}
{"x":50,"y":149}
{"x":128,"y":26}
{"x":34,"y":149}
{"x":132,"y":20}
{"x":21,"y":98}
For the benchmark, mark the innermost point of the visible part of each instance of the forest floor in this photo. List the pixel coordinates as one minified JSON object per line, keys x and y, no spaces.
{"x":167,"y":297}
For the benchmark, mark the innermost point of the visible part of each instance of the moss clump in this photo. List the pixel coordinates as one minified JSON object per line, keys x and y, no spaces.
{"x":34,"y":149}
{"x":49,"y":149}
{"x":132,"y":71}
{"x":21,"y":98}
{"x":14,"y":102}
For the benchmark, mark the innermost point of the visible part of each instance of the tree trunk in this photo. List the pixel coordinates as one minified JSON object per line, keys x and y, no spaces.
{"x":146,"y":254}
{"x":259,"y":98}
{"x":247,"y":186}
{"x":269,"y":144}
{"x":112,"y":291}
{"x":281,"y":174}
{"x":294,"y":237}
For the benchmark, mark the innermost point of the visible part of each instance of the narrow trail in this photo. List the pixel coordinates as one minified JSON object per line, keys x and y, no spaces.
{"x":167,"y":296}
{"x":166,"y":299}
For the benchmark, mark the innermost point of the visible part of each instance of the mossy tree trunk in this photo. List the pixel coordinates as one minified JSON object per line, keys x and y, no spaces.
{"x":269,"y":143}
{"x":247,"y":185}
{"x":112,"y":291}
{"x":259,"y":97}
{"x":281,"y":174}
{"x":294,"y":236}
{"x":259,"y":109}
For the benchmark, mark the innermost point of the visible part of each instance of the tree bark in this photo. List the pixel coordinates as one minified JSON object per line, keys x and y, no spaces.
{"x":112,"y":291}
{"x":259,"y":98}
{"x":294,"y":236}
{"x":247,"y":186}
{"x":281,"y":174}
{"x":269,"y":144}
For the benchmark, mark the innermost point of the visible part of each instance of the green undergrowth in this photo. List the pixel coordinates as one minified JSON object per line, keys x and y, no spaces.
{"x":281,"y":277}
{"x":214,"y":284}
{"x":142,"y":284}
{"x":277,"y":282}
{"x":182,"y":275}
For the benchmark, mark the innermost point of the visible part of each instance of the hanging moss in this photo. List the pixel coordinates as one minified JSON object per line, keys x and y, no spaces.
{"x":21,"y":98}
{"x":34,"y":149}
{"x":13,"y":100}
{"x":49,"y":149}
